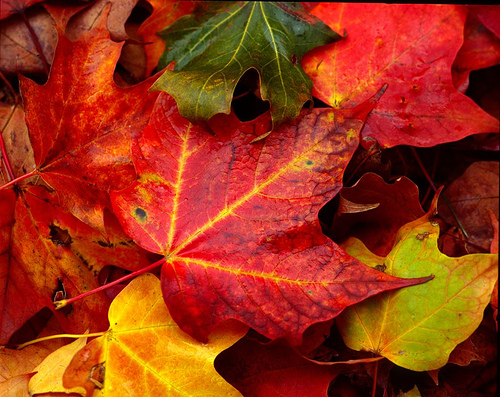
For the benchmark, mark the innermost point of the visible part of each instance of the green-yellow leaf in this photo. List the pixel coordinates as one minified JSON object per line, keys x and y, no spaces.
{"x":144,"y":352}
{"x":213,"y":49}
{"x":418,"y":327}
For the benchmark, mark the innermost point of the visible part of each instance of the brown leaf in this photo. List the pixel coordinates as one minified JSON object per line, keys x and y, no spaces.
{"x":17,"y":143}
{"x":19,"y":54}
{"x":118,"y":14}
{"x":471,"y":196}
{"x":10,"y":7}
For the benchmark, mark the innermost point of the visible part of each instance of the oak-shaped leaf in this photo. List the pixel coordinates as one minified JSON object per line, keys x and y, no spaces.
{"x":418,"y":329}
{"x":145,"y":353}
{"x":80,"y":131}
{"x":410,"y":47}
{"x":237,"y":221}
{"x":214,"y":48}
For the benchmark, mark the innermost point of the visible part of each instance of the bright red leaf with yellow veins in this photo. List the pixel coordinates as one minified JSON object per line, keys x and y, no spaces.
{"x":237,"y":221}
{"x":411,"y":47}
{"x":80,"y":123}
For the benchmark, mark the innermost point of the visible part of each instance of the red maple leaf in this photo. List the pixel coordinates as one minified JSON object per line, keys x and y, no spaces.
{"x":80,"y":123}
{"x":237,"y":221}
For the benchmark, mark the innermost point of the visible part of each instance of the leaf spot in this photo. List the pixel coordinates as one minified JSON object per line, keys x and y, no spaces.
{"x":422,"y":236}
{"x":381,"y":268}
{"x":140,"y":215}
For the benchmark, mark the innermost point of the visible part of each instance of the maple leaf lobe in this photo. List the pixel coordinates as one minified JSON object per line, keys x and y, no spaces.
{"x":213,"y":50}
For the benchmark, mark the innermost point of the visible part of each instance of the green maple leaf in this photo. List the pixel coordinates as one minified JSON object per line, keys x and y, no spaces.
{"x":213,"y":49}
{"x":418,"y":327}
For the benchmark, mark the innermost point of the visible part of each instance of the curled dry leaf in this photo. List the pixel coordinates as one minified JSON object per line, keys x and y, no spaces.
{"x":119,"y":11}
{"x":398,"y":204}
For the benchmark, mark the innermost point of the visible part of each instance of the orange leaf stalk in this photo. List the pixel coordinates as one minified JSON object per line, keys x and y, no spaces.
{"x":64,"y":302}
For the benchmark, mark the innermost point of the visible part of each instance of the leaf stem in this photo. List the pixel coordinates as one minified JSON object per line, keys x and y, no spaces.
{"x":375,"y":373}
{"x":62,"y":303}
{"x":50,"y":337}
{"x":19,"y":178}
{"x":431,"y":183}
{"x":36,"y":42}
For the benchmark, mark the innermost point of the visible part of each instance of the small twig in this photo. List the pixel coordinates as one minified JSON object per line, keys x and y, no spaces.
{"x":433,"y":175}
{"x":431,"y":183}
{"x":65,"y":302}
{"x":36,"y":42}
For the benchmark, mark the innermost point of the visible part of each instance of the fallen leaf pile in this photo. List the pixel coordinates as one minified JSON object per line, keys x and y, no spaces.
{"x":275,"y":279}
